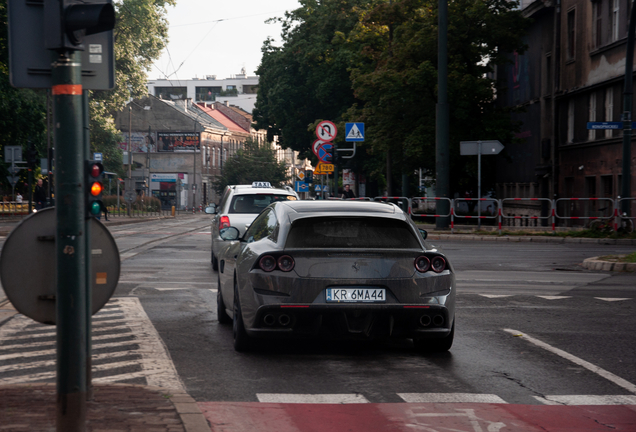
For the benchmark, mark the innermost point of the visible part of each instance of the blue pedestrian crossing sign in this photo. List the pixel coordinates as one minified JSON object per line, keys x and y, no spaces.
{"x":317,"y":188}
{"x":354,"y":132}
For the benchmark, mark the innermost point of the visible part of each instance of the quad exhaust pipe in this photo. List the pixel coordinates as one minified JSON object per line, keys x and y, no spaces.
{"x":426,"y":320}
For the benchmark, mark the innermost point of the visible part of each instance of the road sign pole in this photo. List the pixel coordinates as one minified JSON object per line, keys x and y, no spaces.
{"x":626,"y":178}
{"x":87,"y":254}
{"x":478,"y":184}
{"x":70,"y":246}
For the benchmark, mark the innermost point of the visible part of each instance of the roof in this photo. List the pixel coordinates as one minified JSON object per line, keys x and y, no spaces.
{"x":221,"y":118}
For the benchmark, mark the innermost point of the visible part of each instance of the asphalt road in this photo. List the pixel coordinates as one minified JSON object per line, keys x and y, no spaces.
{"x":505,"y":289}
{"x":533,"y":328}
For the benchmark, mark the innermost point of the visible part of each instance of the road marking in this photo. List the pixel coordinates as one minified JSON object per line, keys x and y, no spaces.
{"x":495,"y":295}
{"x":610,"y":299}
{"x":587,"y":365}
{"x":136,"y":345}
{"x":587,"y":400}
{"x":349,"y":398}
{"x":554,"y":297}
{"x":450,"y":397}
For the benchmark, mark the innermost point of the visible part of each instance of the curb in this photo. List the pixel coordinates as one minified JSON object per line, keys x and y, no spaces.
{"x":529,"y":239}
{"x":595,"y":264}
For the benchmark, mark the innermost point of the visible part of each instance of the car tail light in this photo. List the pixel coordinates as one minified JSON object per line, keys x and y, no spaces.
{"x":422,"y":264}
{"x":224,"y":222}
{"x":438,"y":264}
{"x":286,"y":263}
{"x":267,"y":263}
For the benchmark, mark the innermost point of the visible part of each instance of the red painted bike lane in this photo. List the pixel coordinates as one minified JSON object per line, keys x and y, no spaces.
{"x":430,"y":417}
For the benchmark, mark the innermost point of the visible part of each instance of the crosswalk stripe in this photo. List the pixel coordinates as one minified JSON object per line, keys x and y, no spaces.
{"x":495,"y":295}
{"x":611,"y":299}
{"x":96,"y":329}
{"x":450,"y":398}
{"x":43,"y":353}
{"x":347,"y":398}
{"x":23,"y":366}
{"x":95,"y":339}
{"x":554,"y":297}
{"x":587,"y":400}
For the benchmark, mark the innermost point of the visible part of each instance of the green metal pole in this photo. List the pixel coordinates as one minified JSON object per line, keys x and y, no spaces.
{"x":442,"y":119}
{"x":70,"y":244}
{"x":626,"y":179}
{"x":89,"y":273}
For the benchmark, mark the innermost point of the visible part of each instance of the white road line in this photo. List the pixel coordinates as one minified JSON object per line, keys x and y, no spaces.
{"x":587,"y":400}
{"x":350,"y":398}
{"x":48,"y":363}
{"x":53,"y":334}
{"x":450,"y":397}
{"x":587,"y":365}
{"x":554,"y":297}
{"x":43,"y":353}
{"x":495,"y":295}
{"x":53,"y":343}
{"x":611,"y":299}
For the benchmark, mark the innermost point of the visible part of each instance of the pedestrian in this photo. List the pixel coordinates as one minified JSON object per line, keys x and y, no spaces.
{"x":18,"y":198}
{"x":105,"y":210}
{"x":39,"y":195}
{"x":348,"y":193}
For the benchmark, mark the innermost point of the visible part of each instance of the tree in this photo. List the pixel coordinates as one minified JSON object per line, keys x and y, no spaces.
{"x":22,"y":111}
{"x":306,"y":79}
{"x":388,"y":49}
{"x":252,"y":163}
{"x":140,"y":34}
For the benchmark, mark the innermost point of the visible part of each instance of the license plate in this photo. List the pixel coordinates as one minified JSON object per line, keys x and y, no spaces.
{"x":364,"y":295}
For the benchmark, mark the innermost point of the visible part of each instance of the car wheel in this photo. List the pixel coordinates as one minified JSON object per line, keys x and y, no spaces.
{"x":241,"y":339}
{"x":436,"y":345}
{"x":224,"y":318}
{"x":215,"y":263}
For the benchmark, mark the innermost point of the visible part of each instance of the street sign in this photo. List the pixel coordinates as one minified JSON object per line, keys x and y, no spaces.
{"x":30,"y":60}
{"x":12,"y":154}
{"x":318,"y":188}
{"x":354,"y":132}
{"x":323,"y":168}
{"x":301,"y":175}
{"x":301,"y":187}
{"x":324,"y":152}
{"x":316,"y":146}
{"x":130,"y":195}
{"x":33,"y":293}
{"x":605,"y":125}
{"x":326,"y":130}
{"x":13,"y":179}
{"x":98,"y":157}
{"x":488,"y":147}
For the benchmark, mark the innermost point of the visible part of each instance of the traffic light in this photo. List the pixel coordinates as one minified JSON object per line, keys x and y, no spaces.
{"x":68,"y":21}
{"x":94,"y":188}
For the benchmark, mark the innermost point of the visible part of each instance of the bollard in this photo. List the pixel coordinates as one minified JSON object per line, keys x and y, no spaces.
{"x":172,"y":211}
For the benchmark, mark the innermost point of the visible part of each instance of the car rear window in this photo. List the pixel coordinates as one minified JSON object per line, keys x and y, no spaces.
{"x":351,"y":232}
{"x":255,"y":203}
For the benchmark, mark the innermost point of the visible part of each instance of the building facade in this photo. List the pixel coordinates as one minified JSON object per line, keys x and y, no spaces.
{"x":572,"y":73}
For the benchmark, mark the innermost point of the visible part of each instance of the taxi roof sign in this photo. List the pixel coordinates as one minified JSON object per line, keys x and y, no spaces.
{"x":261,"y":185}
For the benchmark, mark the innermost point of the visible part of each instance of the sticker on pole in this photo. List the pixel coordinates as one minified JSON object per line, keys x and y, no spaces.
{"x":326,"y":130}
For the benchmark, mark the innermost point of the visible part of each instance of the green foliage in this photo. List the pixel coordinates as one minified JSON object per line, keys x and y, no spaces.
{"x":252,"y":163}
{"x":376,"y":62}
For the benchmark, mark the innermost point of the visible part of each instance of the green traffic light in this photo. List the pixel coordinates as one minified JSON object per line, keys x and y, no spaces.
{"x":95,"y":208}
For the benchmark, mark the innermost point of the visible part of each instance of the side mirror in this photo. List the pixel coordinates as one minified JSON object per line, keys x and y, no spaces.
{"x":211,"y":209}
{"x":423,"y":233}
{"x":229,"y":234}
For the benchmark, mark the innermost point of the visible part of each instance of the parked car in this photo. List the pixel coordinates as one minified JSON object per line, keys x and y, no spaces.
{"x":239,"y":205}
{"x":335,"y":269}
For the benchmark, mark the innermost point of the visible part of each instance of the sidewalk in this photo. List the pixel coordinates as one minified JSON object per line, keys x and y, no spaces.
{"x":114,"y":408}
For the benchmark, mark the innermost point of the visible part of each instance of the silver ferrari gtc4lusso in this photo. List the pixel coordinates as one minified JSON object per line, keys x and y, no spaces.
{"x":335,"y":269}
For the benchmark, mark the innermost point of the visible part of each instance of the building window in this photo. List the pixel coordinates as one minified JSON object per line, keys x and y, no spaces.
{"x":207,"y":94}
{"x":609,"y":109}
{"x":570,"y":121}
{"x":597,"y":30}
{"x":590,"y":187}
{"x":615,"y":18}
{"x":591,"y":134}
{"x":571,"y":33}
{"x":171,"y":93}
{"x":607,"y":186}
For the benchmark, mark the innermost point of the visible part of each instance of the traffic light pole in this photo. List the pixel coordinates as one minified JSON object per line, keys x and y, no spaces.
{"x":70,"y":245}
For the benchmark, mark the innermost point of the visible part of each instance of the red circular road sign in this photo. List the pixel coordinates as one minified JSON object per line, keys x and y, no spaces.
{"x":326,"y":130}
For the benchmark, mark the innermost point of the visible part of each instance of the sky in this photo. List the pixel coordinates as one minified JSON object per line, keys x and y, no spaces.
{"x":218,"y":37}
